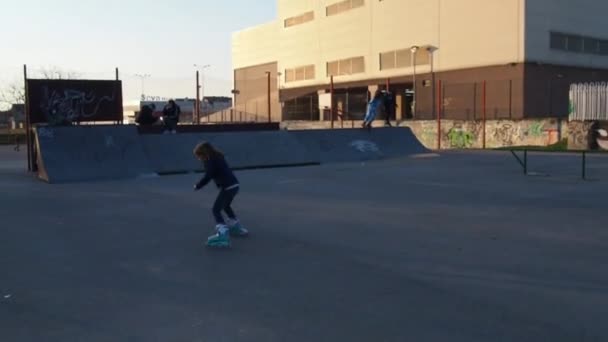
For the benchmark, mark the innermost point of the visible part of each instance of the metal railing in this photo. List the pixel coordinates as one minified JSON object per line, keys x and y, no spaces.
{"x":232,"y":115}
{"x":589,"y":101}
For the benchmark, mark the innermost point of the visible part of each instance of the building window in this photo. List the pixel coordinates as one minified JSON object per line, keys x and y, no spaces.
{"x":559,"y":41}
{"x":578,"y":44}
{"x":355,"y":65}
{"x":591,"y":46}
{"x":388,"y":60}
{"x":343,"y":6}
{"x":302,"y":73}
{"x":300,"y":19}
{"x":423,"y":57}
{"x":575,"y":44}
{"x":403,"y":59}
{"x":603,"y":47}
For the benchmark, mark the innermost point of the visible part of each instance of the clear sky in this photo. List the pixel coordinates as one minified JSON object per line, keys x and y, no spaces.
{"x":160,"y":38}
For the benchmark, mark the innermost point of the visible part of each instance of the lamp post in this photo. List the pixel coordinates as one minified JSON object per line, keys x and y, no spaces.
{"x":143,"y":77}
{"x":414,"y":50}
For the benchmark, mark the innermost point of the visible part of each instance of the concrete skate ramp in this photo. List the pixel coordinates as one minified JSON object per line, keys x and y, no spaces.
{"x":83,"y":153}
{"x":173,"y":153}
{"x":347,"y":145}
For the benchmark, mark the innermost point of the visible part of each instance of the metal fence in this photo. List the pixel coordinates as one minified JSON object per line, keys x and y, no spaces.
{"x":232,"y":116}
{"x":302,"y":108}
{"x":588,"y":102}
{"x":493,"y":100}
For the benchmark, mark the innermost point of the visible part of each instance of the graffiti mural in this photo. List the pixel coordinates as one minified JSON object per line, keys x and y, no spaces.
{"x":499,"y":133}
{"x":61,"y":102}
{"x":365,"y":146}
{"x":578,"y":134}
{"x":71,"y":105}
{"x":508,"y":134}
{"x":460,"y":138}
{"x":536,"y":129}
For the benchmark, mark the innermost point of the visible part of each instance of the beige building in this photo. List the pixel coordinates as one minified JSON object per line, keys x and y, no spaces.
{"x":516,"y":56}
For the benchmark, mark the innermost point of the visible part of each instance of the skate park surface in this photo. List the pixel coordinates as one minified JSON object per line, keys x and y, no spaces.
{"x":458,"y":246}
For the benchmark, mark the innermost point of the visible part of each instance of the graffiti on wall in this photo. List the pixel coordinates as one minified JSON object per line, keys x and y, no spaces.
{"x":429,"y":134}
{"x":365,"y":146}
{"x":71,"y":105}
{"x":64,"y":101}
{"x":499,"y":133}
{"x":536,"y":129}
{"x":602,"y":139}
{"x":459,"y":137}
{"x":507,"y":134}
{"x":578,"y":135}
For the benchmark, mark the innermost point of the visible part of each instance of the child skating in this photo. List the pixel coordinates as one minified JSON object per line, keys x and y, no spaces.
{"x":217,"y":169}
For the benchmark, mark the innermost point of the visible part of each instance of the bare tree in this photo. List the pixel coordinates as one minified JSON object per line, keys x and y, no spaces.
{"x":14,"y":93}
{"x":55,"y":73}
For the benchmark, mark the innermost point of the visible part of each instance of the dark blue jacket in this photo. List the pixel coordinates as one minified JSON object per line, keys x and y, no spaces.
{"x":217,"y":169}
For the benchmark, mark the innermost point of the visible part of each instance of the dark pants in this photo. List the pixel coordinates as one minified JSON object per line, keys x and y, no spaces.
{"x":222,"y":202}
{"x":390,"y":113}
{"x":170,"y":123}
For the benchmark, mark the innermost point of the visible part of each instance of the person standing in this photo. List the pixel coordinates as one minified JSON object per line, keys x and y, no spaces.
{"x":390,"y":106}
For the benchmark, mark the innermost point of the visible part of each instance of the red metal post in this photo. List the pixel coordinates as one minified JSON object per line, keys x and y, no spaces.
{"x":484,"y":113}
{"x":331,"y":105}
{"x":439,"y":103}
{"x":388,"y":90}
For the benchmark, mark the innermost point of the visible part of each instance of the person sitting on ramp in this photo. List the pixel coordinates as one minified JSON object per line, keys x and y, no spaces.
{"x":217,"y":169}
{"x":372,"y":109}
{"x":146,"y":117}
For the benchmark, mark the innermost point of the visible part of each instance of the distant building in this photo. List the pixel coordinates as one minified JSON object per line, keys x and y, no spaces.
{"x":527,"y":51}
{"x":210,"y":105}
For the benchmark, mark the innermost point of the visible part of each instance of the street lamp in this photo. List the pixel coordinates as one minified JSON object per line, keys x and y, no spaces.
{"x":143,"y":77}
{"x":414,"y":50}
{"x":200,"y":86}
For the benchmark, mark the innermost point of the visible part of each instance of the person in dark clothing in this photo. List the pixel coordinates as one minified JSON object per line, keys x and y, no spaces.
{"x":218,"y":170}
{"x":390,"y":106}
{"x":171,"y":114}
{"x":146,"y":115}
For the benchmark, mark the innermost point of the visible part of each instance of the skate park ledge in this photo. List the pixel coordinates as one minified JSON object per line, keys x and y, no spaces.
{"x":98,"y":152}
